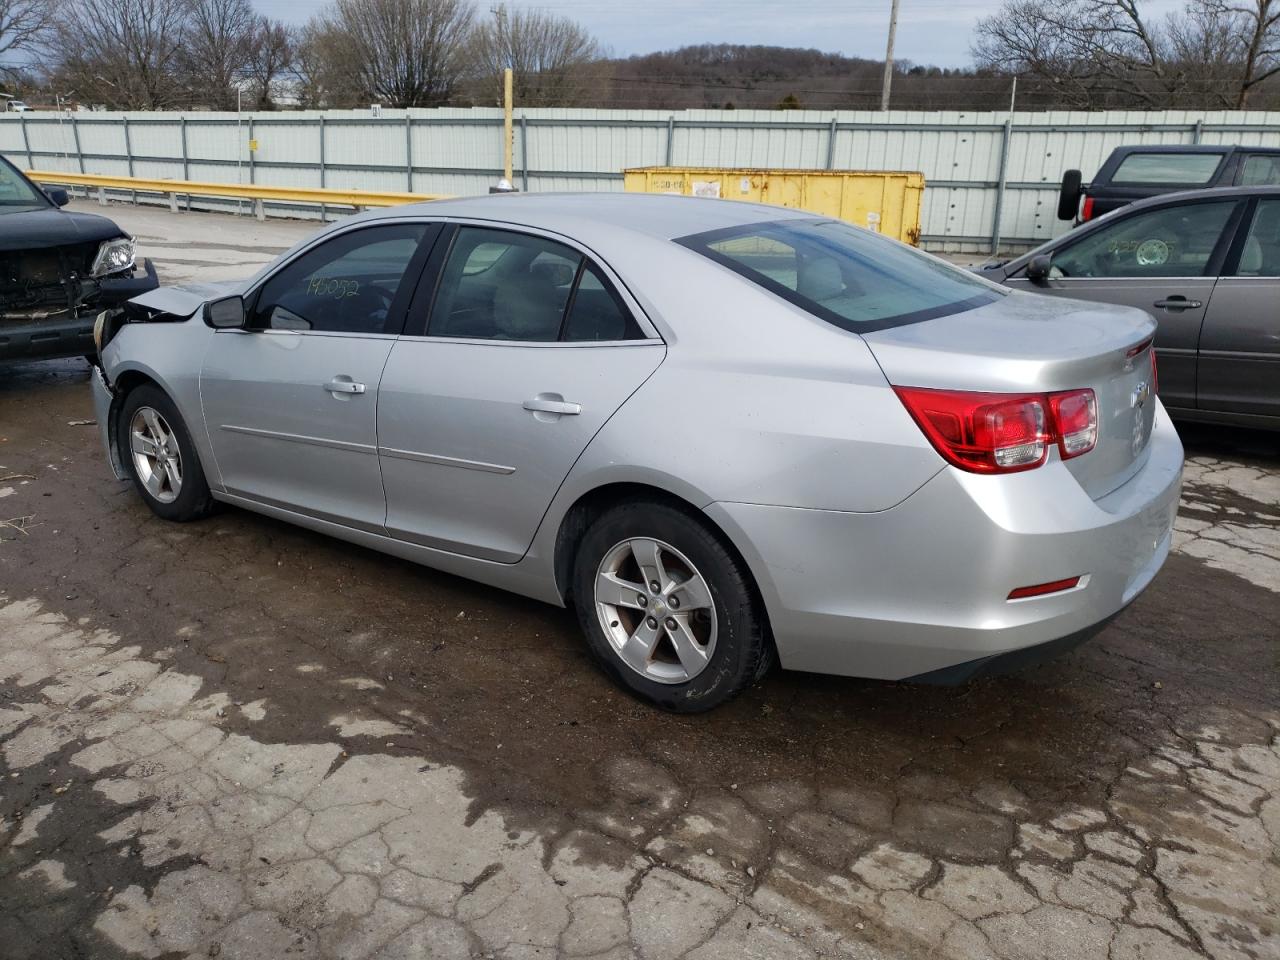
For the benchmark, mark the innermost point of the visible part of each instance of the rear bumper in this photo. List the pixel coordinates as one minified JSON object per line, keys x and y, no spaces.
{"x":72,"y":337}
{"x":919,"y":591}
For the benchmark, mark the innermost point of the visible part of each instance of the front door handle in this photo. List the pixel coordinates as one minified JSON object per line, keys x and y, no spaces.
{"x":553,"y":403}
{"x":344,"y":385}
{"x":1177,"y":302}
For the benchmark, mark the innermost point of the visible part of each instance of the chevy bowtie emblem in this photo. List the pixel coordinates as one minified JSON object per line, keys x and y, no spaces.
{"x":1140,"y":394}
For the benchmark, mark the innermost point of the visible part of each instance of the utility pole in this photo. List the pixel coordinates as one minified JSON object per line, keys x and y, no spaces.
{"x":888,"y":57}
{"x":506,"y":125}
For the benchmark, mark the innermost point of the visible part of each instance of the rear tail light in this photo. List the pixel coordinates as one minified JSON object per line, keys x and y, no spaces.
{"x":1003,"y":433}
{"x":1155,"y":374}
{"x":1075,"y":415}
{"x":1086,"y":209}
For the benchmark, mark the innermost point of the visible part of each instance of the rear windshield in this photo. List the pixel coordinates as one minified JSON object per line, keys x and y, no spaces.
{"x":1187,"y":169}
{"x":848,"y":276}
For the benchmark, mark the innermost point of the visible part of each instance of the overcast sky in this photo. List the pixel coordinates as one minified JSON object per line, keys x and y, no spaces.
{"x":929,"y":31}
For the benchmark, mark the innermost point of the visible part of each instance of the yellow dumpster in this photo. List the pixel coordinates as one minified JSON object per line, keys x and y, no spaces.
{"x":885,"y":201}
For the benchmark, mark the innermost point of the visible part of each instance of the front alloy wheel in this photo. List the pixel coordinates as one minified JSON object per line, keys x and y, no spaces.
{"x":155,"y":448}
{"x":157,"y":458}
{"x":656,"y":610}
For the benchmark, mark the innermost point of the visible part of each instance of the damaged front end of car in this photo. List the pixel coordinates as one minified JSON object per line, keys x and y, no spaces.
{"x":49,"y":296}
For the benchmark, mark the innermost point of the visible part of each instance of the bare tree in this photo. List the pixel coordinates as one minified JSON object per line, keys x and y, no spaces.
{"x":215,"y":50}
{"x":1092,"y":50}
{"x":1255,"y":26}
{"x":120,"y":53}
{"x":404,"y":53}
{"x":270,"y":58}
{"x":550,"y":56}
{"x":23,"y":24}
{"x":1100,"y":53}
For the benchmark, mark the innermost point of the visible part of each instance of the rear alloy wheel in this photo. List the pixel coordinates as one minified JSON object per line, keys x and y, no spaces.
{"x":158,"y":455}
{"x":656,"y":610}
{"x":668,"y":610}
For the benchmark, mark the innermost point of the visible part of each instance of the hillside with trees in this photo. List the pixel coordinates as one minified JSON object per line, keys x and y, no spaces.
{"x":218,"y":54}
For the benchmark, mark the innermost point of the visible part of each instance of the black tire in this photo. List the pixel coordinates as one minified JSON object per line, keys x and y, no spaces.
{"x":193,"y":500}
{"x":743,"y":650}
{"x":1069,"y":195}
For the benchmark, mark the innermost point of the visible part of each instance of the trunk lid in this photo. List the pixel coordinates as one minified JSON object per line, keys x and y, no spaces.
{"x":1024,"y":343}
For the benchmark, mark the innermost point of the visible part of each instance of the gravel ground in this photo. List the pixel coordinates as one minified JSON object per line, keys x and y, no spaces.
{"x":240,"y":739}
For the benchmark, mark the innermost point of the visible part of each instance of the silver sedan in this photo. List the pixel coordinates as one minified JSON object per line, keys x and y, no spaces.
{"x":725,"y":434}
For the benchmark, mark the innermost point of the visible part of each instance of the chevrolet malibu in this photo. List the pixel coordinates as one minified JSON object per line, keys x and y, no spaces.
{"x":723,"y":433}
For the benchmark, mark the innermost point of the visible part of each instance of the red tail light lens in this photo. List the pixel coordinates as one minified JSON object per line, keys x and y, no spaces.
{"x":982,"y":432}
{"x":1003,"y":433}
{"x":1086,"y":209}
{"x":1075,"y":416}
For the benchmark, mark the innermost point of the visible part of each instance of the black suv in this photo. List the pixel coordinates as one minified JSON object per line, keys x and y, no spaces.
{"x":57,"y":271}
{"x":1135,"y":173}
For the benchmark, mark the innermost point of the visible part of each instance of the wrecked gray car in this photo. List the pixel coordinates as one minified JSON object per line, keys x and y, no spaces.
{"x":58,"y":270}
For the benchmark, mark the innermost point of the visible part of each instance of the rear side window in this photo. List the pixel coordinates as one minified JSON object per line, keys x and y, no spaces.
{"x":1186,"y":169}
{"x":847,"y":276}
{"x":1261,"y":254}
{"x":502,"y":285}
{"x":1260,"y":171}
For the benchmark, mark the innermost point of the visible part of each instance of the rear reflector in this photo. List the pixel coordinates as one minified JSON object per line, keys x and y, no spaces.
{"x":1001,"y":432}
{"x":1040,"y":589}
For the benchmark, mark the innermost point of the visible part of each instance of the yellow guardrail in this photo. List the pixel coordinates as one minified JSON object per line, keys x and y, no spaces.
{"x":257,"y":192}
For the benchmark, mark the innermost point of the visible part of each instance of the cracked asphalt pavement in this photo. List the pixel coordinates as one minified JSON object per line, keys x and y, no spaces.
{"x":239,"y":739}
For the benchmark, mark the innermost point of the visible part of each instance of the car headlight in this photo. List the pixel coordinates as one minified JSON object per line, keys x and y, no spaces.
{"x":113,"y":256}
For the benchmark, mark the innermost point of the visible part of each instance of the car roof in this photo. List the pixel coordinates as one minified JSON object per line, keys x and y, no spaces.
{"x":1205,"y":193}
{"x":1193,"y":148}
{"x":584,"y":215}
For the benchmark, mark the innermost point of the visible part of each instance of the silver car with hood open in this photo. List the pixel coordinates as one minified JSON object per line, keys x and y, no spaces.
{"x":723,"y":433}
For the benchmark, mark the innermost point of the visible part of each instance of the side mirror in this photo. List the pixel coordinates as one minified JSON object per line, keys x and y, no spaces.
{"x":58,"y":196}
{"x":1038,"y":268}
{"x":225,"y":314}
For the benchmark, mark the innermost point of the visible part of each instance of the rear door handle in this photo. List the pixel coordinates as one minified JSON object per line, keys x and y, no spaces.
{"x":1177,"y":303}
{"x":547,"y":405}
{"x":344,"y":385}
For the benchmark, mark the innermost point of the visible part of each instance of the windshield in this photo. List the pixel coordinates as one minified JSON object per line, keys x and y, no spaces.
{"x":848,"y":276}
{"x":16,"y":191}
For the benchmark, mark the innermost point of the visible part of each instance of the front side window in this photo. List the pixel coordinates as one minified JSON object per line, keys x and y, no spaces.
{"x":1260,"y":170}
{"x":1175,"y":241}
{"x":344,"y":285}
{"x":501,"y":285}
{"x":850,"y":277}
{"x":1186,"y":169}
{"x":1261,"y":254}
{"x":16,"y":191}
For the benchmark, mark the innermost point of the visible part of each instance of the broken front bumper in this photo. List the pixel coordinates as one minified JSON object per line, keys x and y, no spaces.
{"x":72,"y":336}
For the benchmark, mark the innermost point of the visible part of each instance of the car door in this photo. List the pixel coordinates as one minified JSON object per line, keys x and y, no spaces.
{"x":1162,"y":260}
{"x":523,"y":349}
{"x":1240,"y":345}
{"x":290,"y":400}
